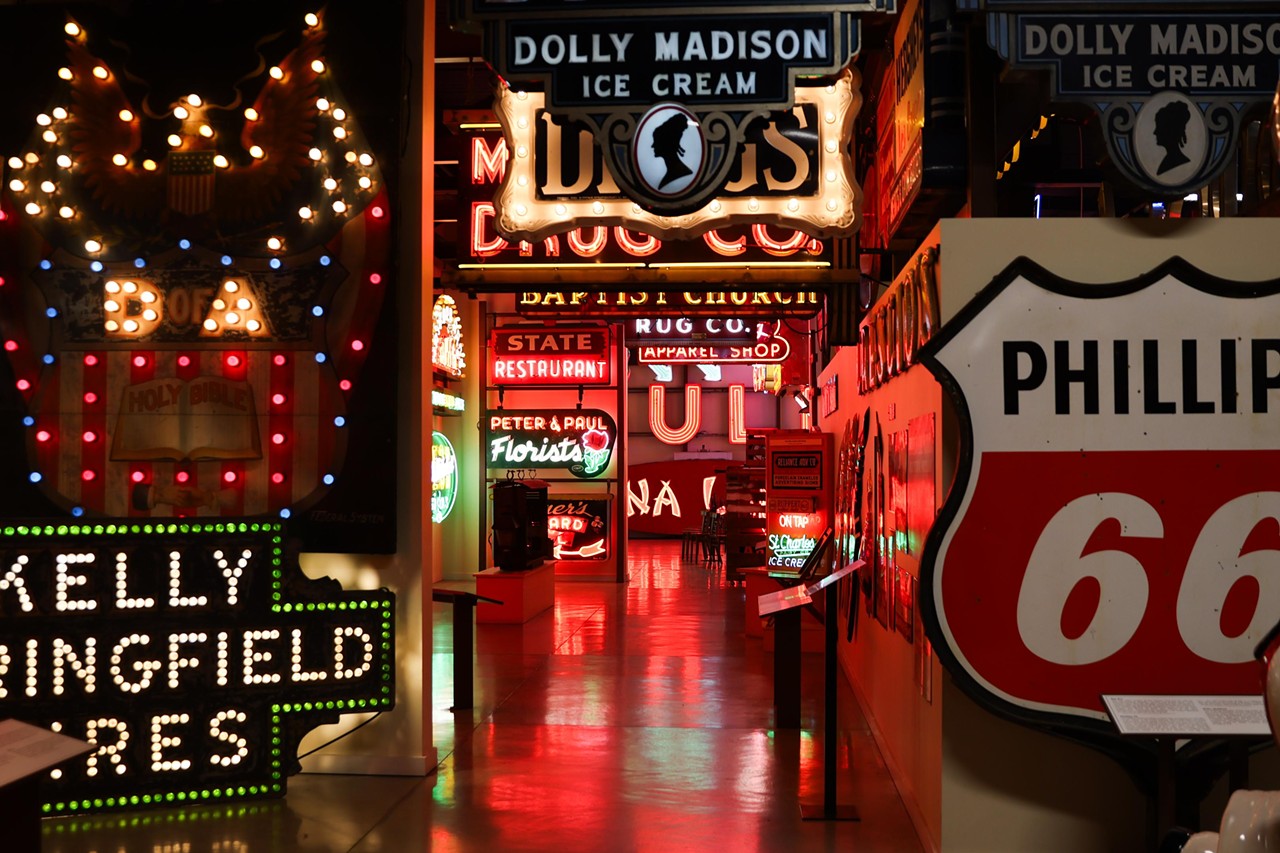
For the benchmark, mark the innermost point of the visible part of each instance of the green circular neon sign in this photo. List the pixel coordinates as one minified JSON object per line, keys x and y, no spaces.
{"x":444,"y":477}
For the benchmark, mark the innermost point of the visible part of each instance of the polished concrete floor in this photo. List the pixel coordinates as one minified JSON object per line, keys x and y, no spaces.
{"x":633,"y":717}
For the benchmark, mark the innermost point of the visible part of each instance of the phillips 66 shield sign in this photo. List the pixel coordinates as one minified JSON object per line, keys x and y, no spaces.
{"x":1115,"y":522}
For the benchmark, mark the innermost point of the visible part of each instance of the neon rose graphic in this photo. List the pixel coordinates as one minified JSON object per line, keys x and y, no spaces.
{"x":595,"y":444}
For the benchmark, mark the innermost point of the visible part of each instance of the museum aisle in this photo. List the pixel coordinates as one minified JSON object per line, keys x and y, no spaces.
{"x":633,"y":717}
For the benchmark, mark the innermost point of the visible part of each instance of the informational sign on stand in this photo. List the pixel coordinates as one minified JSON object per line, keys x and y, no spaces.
{"x":1188,"y":716}
{"x":797,"y":596}
{"x":27,"y":749}
{"x":798,"y":495}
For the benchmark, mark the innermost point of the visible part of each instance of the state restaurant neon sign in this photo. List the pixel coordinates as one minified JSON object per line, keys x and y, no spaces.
{"x":193,"y":656}
{"x":525,"y":355}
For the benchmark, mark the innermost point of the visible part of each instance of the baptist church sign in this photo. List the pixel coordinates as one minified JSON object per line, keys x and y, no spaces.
{"x":667,"y":89}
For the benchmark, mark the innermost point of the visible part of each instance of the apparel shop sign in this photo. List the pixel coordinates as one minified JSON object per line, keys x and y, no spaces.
{"x":193,"y":656}
{"x":1114,"y":523}
{"x":668,"y":89}
{"x":1171,"y":88}
{"x":579,"y":440}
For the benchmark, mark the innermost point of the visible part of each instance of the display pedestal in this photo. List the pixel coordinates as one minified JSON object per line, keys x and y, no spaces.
{"x":523,"y":594}
{"x":463,"y":659}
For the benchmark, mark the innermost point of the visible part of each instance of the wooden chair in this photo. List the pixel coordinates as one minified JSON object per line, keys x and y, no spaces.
{"x":712,"y":536}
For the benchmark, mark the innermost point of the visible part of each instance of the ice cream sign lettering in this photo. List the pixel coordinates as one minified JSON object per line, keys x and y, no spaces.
{"x":580,"y":440}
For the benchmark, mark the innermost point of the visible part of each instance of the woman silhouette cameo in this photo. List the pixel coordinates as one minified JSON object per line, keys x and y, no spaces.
{"x":666,"y":145}
{"x":1171,"y":134}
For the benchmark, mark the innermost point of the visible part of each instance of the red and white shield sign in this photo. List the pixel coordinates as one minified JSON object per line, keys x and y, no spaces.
{"x":1115,"y":521}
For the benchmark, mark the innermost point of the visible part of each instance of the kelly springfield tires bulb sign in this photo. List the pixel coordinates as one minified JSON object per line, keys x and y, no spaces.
{"x":193,"y":655}
{"x":1115,"y":522}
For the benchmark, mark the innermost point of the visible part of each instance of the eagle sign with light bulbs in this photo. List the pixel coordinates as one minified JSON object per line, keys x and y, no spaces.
{"x":187,"y":298}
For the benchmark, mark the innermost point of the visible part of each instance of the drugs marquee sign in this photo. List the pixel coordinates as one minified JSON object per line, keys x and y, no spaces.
{"x":667,"y":89}
{"x":792,"y":169}
{"x":194,"y":656}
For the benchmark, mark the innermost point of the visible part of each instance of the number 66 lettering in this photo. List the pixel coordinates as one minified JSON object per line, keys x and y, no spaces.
{"x":1057,"y":565}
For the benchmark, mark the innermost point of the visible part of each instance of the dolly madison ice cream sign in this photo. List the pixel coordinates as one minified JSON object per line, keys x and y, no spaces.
{"x":667,"y":89}
{"x":1171,"y":89}
{"x":1115,"y":522}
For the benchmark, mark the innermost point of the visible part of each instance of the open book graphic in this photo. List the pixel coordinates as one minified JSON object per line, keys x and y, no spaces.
{"x":170,"y":419}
